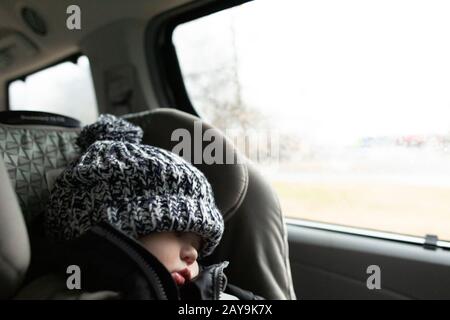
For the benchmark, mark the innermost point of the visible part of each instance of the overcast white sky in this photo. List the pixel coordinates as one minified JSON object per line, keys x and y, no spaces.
{"x":66,"y":89}
{"x":335,"y":70}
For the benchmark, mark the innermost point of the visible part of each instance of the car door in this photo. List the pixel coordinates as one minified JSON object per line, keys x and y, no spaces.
{"x":343,"y":263}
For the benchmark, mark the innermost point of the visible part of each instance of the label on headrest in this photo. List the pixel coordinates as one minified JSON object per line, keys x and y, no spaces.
{"x":38,"y":118}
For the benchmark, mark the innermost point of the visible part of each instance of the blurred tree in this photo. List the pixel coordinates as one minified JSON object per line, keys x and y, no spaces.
{"x":217,"y":94}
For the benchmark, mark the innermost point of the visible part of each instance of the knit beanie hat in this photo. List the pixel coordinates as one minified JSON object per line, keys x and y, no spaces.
{"x":137,"y":188}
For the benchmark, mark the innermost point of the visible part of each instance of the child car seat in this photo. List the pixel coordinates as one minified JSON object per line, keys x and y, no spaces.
{"x":255,"y":238}
{"x":14,"y":245}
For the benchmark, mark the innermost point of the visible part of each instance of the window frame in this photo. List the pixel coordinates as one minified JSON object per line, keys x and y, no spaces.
{"x":165,"y":73}
{"x":163,"y":66}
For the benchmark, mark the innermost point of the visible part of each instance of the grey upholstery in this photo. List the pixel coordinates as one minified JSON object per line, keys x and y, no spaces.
{"x":256,"y":242}
{"x":32,"y":155}
{"x":255,"y":239}
{"x":14,"y":244}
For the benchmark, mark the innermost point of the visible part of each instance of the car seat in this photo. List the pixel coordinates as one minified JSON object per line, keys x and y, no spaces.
{"x":255,"y":238}
{"x":14,"y":245}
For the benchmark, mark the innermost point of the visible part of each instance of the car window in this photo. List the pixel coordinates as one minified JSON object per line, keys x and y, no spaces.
{"x":354,"y":94}
{"x":66,"y":88}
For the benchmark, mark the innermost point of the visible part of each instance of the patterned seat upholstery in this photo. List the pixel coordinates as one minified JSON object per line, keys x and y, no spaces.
{"x":34,"y":152}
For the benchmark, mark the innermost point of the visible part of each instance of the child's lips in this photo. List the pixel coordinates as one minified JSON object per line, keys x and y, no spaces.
{"x":182,"y":276}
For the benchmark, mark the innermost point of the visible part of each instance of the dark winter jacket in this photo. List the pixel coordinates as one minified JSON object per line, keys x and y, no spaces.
{"x":110,"y":261}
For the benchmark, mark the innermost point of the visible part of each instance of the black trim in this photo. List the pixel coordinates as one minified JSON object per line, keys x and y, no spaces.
{"x":367,"y":233}
{"x":20,"y":117}
{"x":162,"y":60}
{"x":431,"y":242}
{"x":71,"y":58}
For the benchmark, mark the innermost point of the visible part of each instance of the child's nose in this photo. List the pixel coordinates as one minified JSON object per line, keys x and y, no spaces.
{"x":189,"y":255}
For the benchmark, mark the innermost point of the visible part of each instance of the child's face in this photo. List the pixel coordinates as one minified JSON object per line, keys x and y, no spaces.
{"x":177,"y":251}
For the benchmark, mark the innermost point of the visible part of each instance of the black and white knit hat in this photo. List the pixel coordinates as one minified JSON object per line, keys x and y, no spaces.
{"x":137,"y":188}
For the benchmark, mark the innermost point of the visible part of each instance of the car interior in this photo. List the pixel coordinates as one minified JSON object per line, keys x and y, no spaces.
{"x":125,"y":58}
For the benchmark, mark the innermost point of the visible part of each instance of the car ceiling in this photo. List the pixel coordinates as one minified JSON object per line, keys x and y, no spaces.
{"x":59,"y":41}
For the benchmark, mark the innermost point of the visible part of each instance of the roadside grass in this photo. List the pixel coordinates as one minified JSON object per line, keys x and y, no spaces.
{"x":405,"y":209}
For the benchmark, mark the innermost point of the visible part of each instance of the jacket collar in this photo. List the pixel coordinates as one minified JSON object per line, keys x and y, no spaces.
{"x":208,"y":285}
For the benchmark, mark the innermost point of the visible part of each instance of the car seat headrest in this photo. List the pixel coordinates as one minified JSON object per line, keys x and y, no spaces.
{"x":35,"y":146}
{"x":229,"y":177}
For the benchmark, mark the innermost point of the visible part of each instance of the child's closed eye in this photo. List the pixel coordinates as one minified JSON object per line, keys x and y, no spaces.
{"x":193,"y":239}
